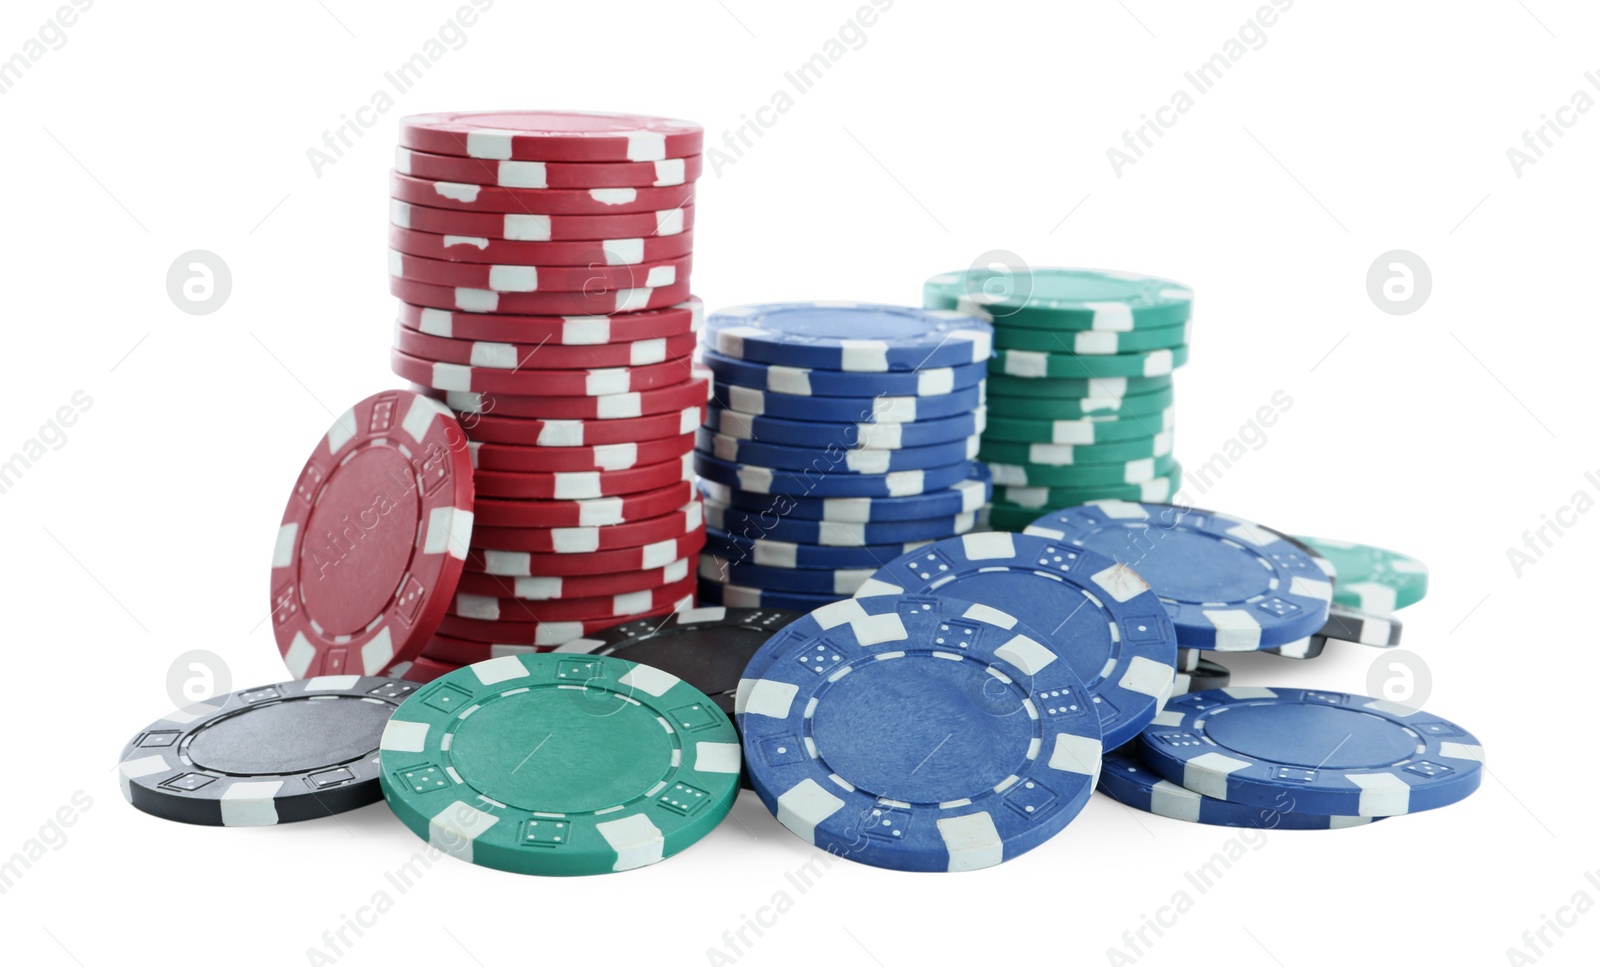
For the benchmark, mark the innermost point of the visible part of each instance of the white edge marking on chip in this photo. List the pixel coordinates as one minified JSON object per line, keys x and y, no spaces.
{"x":1175,"y":802}
{"x":717,"y":757}
{"x":623,"y":251}
{"x":864,"y":355}
{"x":139,"y":768}
{"x":250,"y":803}
{"x":1147,"y":677}
{"x":988,"y":615}
{"x":1235,"y":631}
{"x":1168,"y":719}
{"x":1025,"y":653}
{"x":874,"y":588}
{"x":972,"y":841}
{"x":1077,"y":754}
{"x":283,"y":550}
{"x":1208,"y":773}
{"x":651,"y":681}
{"x":1382,"y":794}
{"x":1249,"y":691}
{"x":936,"y":382}
{"x":300,"y":655}
{"x":455,"y":828}
{"x":669,"y":172}
{"x":522,"y":174}
{"x":457,"y":191}
{"x":769,"y":698}
{"x":497,"y":670}
{"x":1307,"y":587}
{"x":998,"y":545}
{"x":378,"y":653}
{"x":849,"y":611}
{"x":401,"y":735}
{"x":805,"y":805}
{"x":878,"y":629}
{"x":343,"y":430}
{"x":1461,"y":750}
{"x":636,"y":840}
{"x":331,"y":683}
{"x":1120,"y":582}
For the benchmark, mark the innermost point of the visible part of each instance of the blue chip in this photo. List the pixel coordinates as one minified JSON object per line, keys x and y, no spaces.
{"x":870,"y":436}
{"x":1100,"y":615}
{"x":858,"y":337}
{"x":833,"y":456}
{"x":965,"y":496}
{"x":1327,"y":753}
{"x":772,"y":526}
{"x":831,"y":581}
{"x":1125,"y":778}
{"x":736,"y":549}
{"x":735,"y":596}
{"x":918,"y":733}
{"x":937,"y":381}
{"x":1229,"y":584}
{"x":803,"y":483}
{"x":864,"y":407}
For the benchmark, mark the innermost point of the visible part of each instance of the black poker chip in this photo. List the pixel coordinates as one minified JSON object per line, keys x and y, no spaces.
{"x":1205,"y":674}
{"x":262,"y":756}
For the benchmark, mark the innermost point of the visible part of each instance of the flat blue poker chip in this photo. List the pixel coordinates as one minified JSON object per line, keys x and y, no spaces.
{"x":771,"y":526}
{"x":805,"y":483}
{"x":1099,"y":614}
{"x":965,"y":496}
{"x":796,"y":381}
{"x":783,"y":554}
{"x":867,"y":406}
{"x":1125,"y":778}
{"x":918,"y":733}
{"x":841,"y":581}
{"x":1302,"y":751}
{"x":867,"y":435}
{"x":1230,"y":584}
{"x":736,"y":596}
{"x":858,"y":337}
{"x":833,"y":456}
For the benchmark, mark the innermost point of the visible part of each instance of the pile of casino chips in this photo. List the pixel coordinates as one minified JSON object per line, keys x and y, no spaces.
{"x":839,"y":436}
{"x":1080,"y":385}
{"x":542,"y":262}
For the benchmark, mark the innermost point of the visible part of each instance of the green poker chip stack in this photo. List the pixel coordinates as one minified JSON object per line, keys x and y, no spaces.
{"x":1080,"y":385}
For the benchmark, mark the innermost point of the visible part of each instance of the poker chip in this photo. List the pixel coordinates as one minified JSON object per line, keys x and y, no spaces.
{"x":765,"y":480}
{"x":601,"y":300}
{"x":1068,"y":299}
{"x":847,"y":409}
{"x":547,"y":174}
{"x":1085,"y":432}
{"x":1205,"y":675}
{"x":1125,"y":778}
{"x":610,"y":456}
{"x":580,"y":484}
{"x":737,"y":549}
{"x":517,"y":356}
{"x":756,"y":525}
{"x":455,"y":377}
{"x":532,"y":278}
{"x":1098,"y":614}
{"x":678,"y":320}
{"x":373,"y":538}
{"x":1229,"y":584}
{"x":1072,"y":455}
{"x":736,"y":596}
{"x":613,"y":406}
{"x":551,"y":136}
{"x":517,"y":564}
{"x":558,"y":434}
{"x":1016,"y":508}
{"x":1320,"y":752}
{"x":965,"y":496}
{"x":1035,"y":365}
{"x":558,"y":587}
{"x":1372,"y":578}
{"x":1302,"y":650}
{"x":594,"y":512}
{"x":793,"y":381}
{"x":633,"y":765}
{"x":579,"y":253}
{"x":473,"y":197}
{"x":1361,"y":627}
{"x":918,"y":733}
{"x":855,"y":337}
{"x":1084,"y":475}
{"x":842,"y":581}
{"x":616,"y":606}
{"x":831,"y":457}
{"x":866,"y":436}
{"x":262,"y":756}
{"x":1103,"y":387}
{"x":1090,"y":342}
{"x":585,"y":540}
{"x":540,"y":228}
{"x":1043,"y":409}
{"x":543,"y":634}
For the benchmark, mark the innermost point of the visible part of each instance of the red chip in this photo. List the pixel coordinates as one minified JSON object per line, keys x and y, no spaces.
{"x":614,"y":456}
{"x":552,"y":383}
{"x":537,"y":201}
{"x":541,"y":228}
{"x":519,"y":356}
{"x":540,"y":634}
{"x":521,"y":277}
{"x":557,"y":434}
{"x":681,"y":319}
{"x":601,"y":301}
{"x":694,"y":391}
{"x":586,"y":540}
{"x":556,"y":587}
{"x":594,"y":512}
{"x":551,"y":136}
{"x":521,"y":564}
{"x":614,"y":251}
{"x":542,"y":174}
{"x":618,"y":607}
{"x":582,"y":484}
{"x":374,"y":538}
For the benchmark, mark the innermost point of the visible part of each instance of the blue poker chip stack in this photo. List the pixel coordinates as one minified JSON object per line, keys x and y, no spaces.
{"x":840,"y":435}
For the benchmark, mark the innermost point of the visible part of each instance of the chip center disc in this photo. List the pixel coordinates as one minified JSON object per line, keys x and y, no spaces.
{"x":1186,"y":566}
{"x":301,"y":735}
{"x":921,"y":729}
{"x":1313,"y":736}
{"x":1060,"y":611}
{"x":351,"y":563}
{"x":561,"y":750}
{"x":859,"y":322}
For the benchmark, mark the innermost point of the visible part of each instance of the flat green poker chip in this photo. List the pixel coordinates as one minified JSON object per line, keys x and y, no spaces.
{"x":560,"y":764}
{"x":1372,"y":578}
{"x":1031,"y":365}
{"x":1057,"y":298}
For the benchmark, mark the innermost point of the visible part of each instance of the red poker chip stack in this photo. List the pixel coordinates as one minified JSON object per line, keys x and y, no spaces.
{"x":542,"y":264}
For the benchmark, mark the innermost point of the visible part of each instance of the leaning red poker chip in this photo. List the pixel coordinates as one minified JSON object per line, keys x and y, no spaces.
{"x":600,"y":301}
{"x":521,"y":356}
{"x":550,"y":383}
{"x":549,"y":174}
{"x":518,"y":564}
{"x":611,"y":456}
{"x":551,"y":136}
{"x":462,"y":196}
{"x":615,"y":406}
{"x":616,"y":606}
{"x":373,"y":539}
{"x":586,"y":540}
{"x":469,"y":248}
{"x":541,"y":228}
{"x":555,"y":587}
{"x":594,"y":512}
{"x":560,"y":434}
{"x":684,"y":318}
{"x":422,"y":669}
{"x":514,"y":277}
{"x":582,"y":484}
{"x":547,"y":634}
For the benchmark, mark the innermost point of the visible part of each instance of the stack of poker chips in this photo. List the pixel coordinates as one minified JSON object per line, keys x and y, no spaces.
{"x":1080,"y":386}
{"x":839,"y":436}
{"x":541,"y":260}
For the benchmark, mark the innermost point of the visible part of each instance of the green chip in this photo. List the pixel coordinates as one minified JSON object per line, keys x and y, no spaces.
{"x":1016,"y":507}
{"x":1094,"y":407}
{"x":560,"y":764}
{"x":1090,"y":342}
{"x":1040,"y":366}
{"x":1372,"y":578}
{"x":1052,"y":298}
{"x":1085,"y":475}
{"x":1071,"y":455}
{"x":1075,"y":432}
{"x":999,"y":384}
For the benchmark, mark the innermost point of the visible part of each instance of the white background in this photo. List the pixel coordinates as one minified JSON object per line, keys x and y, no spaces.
{"x":1356,"y":129}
